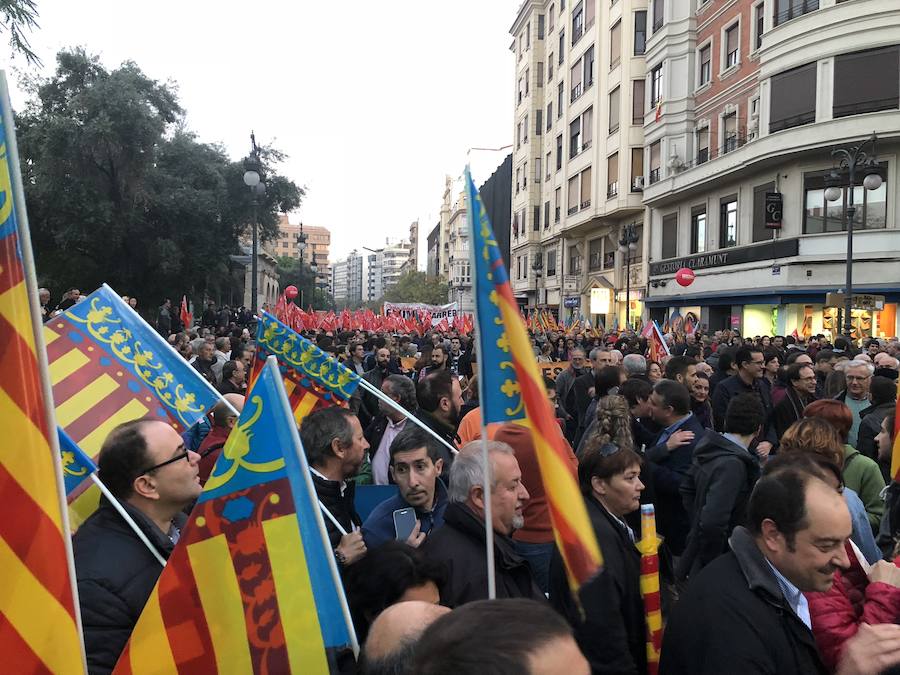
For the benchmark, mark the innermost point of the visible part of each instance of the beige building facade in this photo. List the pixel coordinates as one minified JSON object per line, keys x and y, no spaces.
{"x":318,"y":243}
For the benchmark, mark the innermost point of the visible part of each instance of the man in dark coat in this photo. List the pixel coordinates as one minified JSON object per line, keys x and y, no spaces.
{"x":141,"y":464}
{"x":565,"y":394}
{"x":750,"y":364}
{"x":164,"y":319}
{"x":364,"y":403}
{"x":460,"y":544}
{"x":440,"y":403}
{"x":335,"y":447}
{"x":671,"y":456}
{"x":883,"y":395}
{"x":718,"y":485}
{"x":800,"y":392}
{"x":745,"y":612}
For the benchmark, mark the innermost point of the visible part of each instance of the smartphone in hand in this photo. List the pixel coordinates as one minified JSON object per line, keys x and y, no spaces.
{"x":404,"y":523}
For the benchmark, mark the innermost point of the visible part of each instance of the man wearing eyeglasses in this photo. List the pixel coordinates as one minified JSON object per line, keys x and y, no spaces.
{"x":146,"y":467}
{"x":856,"y":395}
{"x":801,"y":391}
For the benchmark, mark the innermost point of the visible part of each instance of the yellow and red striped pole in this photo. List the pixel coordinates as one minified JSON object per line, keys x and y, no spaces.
{"x":649,"y":548}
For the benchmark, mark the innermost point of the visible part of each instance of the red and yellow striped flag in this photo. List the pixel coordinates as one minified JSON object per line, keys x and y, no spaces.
{"x":38,"y":607}
{"x":512,"y":389}
{"x":895,"y":450}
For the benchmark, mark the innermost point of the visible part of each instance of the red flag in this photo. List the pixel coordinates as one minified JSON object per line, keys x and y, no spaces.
{"x":187,"y":319}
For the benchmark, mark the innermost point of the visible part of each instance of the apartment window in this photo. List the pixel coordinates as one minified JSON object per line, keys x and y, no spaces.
{"x":562,"y":6}
{"x":518,"y":135}
{"x":518,"y":179}
{"x":537,"y":169}
{"x":524,"y":175}
{"x":703,"y":145}
{"x":578,"y":21}
{"x":655,"y":85}
{"x":612,"y":175}
{"x":793,"y":98}
{"x":525,"y":129}
{"x":730,"y":133}
{"x":759,"y":15}
{"x":572,"y":204}
{"x":550,"y":14}
{"x":670,"y":235}
{"x":574,"y":137}
{"x":587,"y":128}
{"x":559,"y":152}
{"x":866,"y":81}
{"x":540,"y":26}
{"x":614,"y":110}
{"x":575,"y":80}
{"x":559,"y":99}
{"x":588,"y":14}
{"x":521,"y":91}
{"x":527,"y":79}
{"x":595,"y":254}
{"x":548,"y":164}
{"x":538,"y":122}
{"x":546,"y":215}
{"x":518,"y":267}
{"x":637,"y":169}
{"x":654,"y":162}
{"x":640,"y":33}
{"x":540,"y":75}
{"x":637,"y":102}
{"x":760,"y":231}
{"x":588,"y":60}
{"x":574,"y":260}
{"x":615,"y":45}
{"x":785,"y":10}
{"x":549,"y":115}
{"x":550,"y":69}
{"x":586,"y":188}
{"x":609,"y":252}
{"x":705,"y":64}
{"x":557,"y":204}
{"x":515,"y":225}
{"x":551,"y":263}
{"x":657,"y":14}
{"x":732,"y":38}
{"x":728,"y":222}
{"x":536,"y":219}
{"x":824,"y":216}
{"x":698,"y":229}
{"x":562,"y":45}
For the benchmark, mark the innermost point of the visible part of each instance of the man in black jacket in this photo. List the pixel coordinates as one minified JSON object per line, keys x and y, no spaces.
{"x":800,"y":392}
{"x":440,"y":402}
{"x":718,"y":485}
{"x":750,"y":364}
{"x":335,"y":447}
{"x":141,"y":464}
{"x":388,"y":425}
{"x":460,"y":543}
{"x":670,"y":456}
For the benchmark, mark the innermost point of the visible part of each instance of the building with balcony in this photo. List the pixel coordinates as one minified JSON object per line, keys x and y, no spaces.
{"x":317,"y":240}
{"x":754,"y":95}
{"x":459,"y":262}
{"x":349,"y":279}
{"x":384,"y":268}
{"x":433,"y":251}
{"x":578,"y":159}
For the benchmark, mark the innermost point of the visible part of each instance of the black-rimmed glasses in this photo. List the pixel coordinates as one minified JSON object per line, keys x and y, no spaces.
{"x":183,"y":455}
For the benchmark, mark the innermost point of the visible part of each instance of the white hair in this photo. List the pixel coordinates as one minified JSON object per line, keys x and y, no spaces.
{"x":859,"y":363}
{"x":635,"y":364}
{"x":468,"y":468}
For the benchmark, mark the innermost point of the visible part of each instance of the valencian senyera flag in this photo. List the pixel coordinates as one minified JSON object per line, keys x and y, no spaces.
{"x":895,"y":450}
{"x":512,"y":389}
{"x":108,"y":366}
{"x":38,"y":608}
{"x":252,"y":585}
{"x":312,"y":378}
{"x":76,"y":465}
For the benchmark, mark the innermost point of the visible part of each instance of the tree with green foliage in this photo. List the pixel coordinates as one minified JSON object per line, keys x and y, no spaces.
{"x":294,"y":272}
{"x":119,"y":192}
{"x":18,"y":17}
{"x":418,"y":287}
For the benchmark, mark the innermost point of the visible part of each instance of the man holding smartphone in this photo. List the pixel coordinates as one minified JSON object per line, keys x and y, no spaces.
{"x":418,"y":508}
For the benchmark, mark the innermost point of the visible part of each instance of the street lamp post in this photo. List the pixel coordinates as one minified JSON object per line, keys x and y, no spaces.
{"x":627,"y":245}
{"x":253,"y":180}
{"x":857,"y":157}
{"x":537,"y":267}
{"x":301,"y":247}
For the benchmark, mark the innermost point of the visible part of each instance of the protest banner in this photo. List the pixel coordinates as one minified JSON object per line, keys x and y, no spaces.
{"x":553,"y":368}
{"x":408,"y":310}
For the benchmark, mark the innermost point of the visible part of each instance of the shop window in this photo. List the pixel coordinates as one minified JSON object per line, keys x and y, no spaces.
{"x":821,"y":215}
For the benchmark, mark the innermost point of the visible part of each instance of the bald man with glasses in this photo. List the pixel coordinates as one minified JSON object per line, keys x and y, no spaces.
{"x":147,"y":468}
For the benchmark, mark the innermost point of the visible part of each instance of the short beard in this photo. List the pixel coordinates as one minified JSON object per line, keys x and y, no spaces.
{"x":518,"y":522}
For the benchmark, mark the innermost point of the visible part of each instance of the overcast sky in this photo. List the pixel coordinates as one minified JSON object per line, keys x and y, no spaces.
{"x":373,"y":102}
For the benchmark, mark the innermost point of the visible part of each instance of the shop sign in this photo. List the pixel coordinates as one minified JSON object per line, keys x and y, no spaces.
{"x":571,"y":303}
{"x":859,"y":301}
{"x":774,"y":210}
{"x":777,"y":248}
{"x":600,"y":300}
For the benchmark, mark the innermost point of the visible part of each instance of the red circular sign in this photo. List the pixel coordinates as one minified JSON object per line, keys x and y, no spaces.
{"x":685,"y":276}
{"x":290,"y":292}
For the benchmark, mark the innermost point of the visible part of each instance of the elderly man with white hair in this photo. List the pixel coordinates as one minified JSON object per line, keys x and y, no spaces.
{"x":856,"y":395}
{"x":634,"y":364}
{"x":460,"y":544}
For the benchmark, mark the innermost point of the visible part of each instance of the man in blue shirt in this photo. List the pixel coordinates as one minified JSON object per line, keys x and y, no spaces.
{"x":415,"y":465}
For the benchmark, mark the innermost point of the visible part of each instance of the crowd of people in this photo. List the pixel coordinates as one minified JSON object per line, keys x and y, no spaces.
{"x":767,"y":461}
